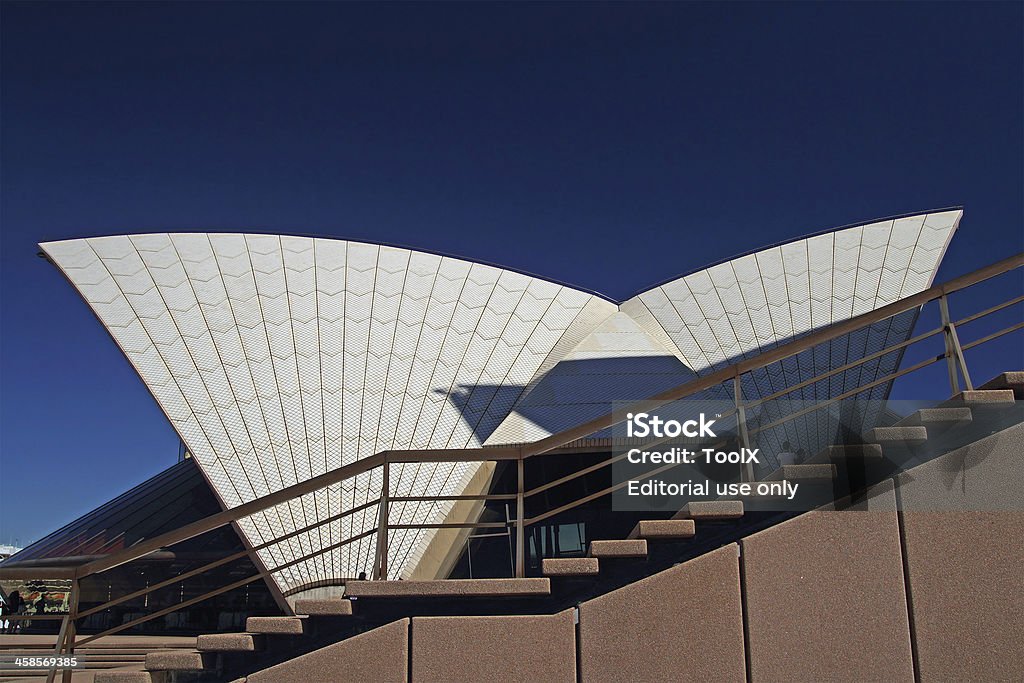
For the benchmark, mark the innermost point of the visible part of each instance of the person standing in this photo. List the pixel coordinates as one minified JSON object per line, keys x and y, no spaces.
{"x":14,"y":607}
{"x":787,"y":456}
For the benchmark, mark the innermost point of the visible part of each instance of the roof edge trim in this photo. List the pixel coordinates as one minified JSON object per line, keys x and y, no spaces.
{"x":431,"y":252}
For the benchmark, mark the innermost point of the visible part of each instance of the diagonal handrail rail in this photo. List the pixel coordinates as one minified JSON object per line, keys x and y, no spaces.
{"x":254,"y":506}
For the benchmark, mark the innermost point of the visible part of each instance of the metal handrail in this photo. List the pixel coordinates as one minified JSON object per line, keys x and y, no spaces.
{"x":520,"y":453}
{"x":257,"y":505}
{"x":262,"y":573}
{"x":229,"y":558}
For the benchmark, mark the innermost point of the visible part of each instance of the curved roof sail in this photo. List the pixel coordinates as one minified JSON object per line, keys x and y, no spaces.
{"x":278,"y":358}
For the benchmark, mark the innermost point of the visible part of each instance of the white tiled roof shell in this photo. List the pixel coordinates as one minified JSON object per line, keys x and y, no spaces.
{"x":748,"y":305}
{"x":740,"y":308}
{"x":278,"y":358}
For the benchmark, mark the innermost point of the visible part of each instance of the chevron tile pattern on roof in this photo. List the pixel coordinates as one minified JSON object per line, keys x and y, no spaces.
{"x":750,"y":304}
{"x":279,"y":358}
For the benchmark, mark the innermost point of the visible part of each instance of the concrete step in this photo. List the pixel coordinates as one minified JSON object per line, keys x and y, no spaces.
{"x":94,"y":653}
{"x":332,"y":607}
{"x":133,"y":657}
{"x":618,"y":549}
{"x":83,"y":666}
{"x":289,"y":626}
{"x":91,"y":658}
{"x":830,"y":454}
{"x":127,"y":677}
{"x":898,"y":435}
{"x":177,"y":660}
{"x":146,"y":644}
{"x":937,"y":418}
{"x":807,"y":472}
{"x":711,"y":510}
{"x":1014,"y":381}
{"x":570,"y":566}
{"x":449,"y":588}
{"x":668,"y":529}
{"x":981,"y":399}
{"x":229,"y":642}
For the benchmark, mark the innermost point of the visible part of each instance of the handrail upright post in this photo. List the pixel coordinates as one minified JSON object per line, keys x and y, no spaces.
{"x":71,"y":635}
{"x":747,"y":469}
{"x":381,"y":568}
{"x":520,"y":519}
{"x":65,"y":644}
{"x":954,"y":381}
{"x":954,"y":351}
{"x":58,"y":647}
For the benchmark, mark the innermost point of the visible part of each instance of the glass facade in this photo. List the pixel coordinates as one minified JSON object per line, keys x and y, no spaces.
{"x":171,"y":499}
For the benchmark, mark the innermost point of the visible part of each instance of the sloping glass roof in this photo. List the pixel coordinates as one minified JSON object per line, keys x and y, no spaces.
{"x":164,"y":502}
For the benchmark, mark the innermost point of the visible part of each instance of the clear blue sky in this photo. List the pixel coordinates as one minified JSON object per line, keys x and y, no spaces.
{"x":608,"y":146}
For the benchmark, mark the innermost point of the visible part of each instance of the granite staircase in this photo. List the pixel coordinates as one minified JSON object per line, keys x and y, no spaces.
{"x":218,"y":655}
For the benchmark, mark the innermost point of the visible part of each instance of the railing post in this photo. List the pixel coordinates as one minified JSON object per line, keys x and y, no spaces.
{"x":65,"y":644}
{"x":381,"y":566}
{"x":520,"y":519}
{"x":71,"y":635}
{"x":954,"y":352}
{"x":58,"y":647}
{"x":747,"y":470}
